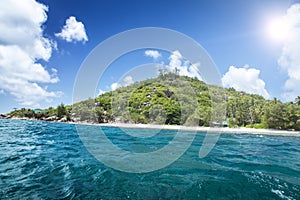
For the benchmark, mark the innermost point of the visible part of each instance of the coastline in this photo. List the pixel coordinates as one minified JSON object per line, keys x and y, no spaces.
{"x":221,"y":130}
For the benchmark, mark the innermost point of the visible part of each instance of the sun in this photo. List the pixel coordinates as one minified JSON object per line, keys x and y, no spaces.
{"x":277,"y":29}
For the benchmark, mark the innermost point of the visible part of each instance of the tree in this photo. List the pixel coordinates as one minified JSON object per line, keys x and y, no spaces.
{"x":174,"y":99}
{"x":276,"y":115}
{"x":61,"y":110}
{"x":297,"y":100}
{"x":176,"y":71}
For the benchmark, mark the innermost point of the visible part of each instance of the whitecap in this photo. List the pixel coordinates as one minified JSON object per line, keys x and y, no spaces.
{"x":281,"y":194}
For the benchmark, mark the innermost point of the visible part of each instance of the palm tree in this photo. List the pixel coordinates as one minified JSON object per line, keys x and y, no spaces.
{"x":297,"y":100}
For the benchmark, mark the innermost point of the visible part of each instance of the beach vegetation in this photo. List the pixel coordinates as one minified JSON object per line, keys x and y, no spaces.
{"x":176,"y":100}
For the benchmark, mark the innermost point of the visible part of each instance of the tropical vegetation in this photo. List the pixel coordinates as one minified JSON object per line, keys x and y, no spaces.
{"x":179,"y":100}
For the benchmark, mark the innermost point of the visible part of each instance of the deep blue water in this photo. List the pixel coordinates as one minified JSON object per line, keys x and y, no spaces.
{"x":42,"y":160}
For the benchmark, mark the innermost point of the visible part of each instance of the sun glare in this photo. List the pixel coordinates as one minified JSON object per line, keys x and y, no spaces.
{"x":277,"y":29}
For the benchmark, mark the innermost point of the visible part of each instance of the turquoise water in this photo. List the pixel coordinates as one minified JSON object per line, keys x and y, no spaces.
{"x":41,"y":160}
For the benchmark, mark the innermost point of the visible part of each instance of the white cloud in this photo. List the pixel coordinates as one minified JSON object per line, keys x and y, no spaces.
{"x":245,"y":79}
{"x":115,"y":86}
{"x":101,"y":92}
{"x":20,"y":24}
{"x":73,"y":31}
{"x":22,"y":44}
{"x":128,"y":80}
{"x":183,"y":67}
{"x":153,"y":54}
{"x":290,"y":55}
{"x":2,"y":91}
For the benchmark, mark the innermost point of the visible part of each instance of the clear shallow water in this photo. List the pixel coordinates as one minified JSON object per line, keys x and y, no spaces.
{"x":48,"y":161}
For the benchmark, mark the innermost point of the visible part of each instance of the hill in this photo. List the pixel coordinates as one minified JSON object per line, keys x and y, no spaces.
{"x":180,"y":100}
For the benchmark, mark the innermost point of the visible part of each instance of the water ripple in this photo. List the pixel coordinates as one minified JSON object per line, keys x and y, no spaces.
{"x":42,"y":160}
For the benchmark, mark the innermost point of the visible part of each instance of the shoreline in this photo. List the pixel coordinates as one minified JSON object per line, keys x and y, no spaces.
{"x":221,"y":130}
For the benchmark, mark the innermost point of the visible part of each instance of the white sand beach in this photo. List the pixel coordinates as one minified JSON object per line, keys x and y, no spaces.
{"x":202,"y":129}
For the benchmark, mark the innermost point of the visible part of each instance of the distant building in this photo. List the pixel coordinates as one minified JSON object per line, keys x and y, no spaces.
{"x":223,"y":123}
{"x":38,"y":111}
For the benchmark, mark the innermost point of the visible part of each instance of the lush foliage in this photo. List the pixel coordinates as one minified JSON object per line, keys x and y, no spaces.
{"x":174,"y":99}
{"x":61,"y":112}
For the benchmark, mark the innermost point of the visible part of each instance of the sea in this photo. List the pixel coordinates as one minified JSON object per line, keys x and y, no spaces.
{"x":48,"y":160}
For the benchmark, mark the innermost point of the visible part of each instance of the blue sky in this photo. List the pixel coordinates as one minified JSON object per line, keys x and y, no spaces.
{"x":40,"y":56}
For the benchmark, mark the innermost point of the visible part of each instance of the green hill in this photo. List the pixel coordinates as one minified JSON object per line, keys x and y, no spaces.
{"x":180,"y":100}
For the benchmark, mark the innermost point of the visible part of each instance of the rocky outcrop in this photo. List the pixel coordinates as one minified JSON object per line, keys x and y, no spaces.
{"x":52,"y":118}
{"x":64,"y":119}
{"x":2,"y":116}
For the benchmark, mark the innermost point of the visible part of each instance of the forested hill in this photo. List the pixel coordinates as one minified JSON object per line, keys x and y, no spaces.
{"x":174,"y":99}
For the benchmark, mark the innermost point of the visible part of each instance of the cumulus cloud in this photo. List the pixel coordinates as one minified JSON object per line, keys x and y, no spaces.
{"x":115,"y":86}
{"x":128,"y":80}
{"x":22,"y":45}
{"x":290,"y":55}
{"x":245,"y":79}
{"x":153,"y":54}
{"x":73,"y":31}
{"x":184,"y":68}
{"x":101,"y":92}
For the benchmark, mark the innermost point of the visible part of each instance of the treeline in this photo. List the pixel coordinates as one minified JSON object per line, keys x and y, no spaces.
{"x":60,"y":113}
{"x":181,"y":100}
{"x":244,"y":110}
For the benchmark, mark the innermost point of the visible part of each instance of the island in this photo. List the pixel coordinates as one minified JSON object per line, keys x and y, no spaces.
{"x":170,"y":99}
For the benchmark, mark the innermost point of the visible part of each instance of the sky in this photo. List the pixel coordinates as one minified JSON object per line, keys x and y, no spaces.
{"x":43,"y":43}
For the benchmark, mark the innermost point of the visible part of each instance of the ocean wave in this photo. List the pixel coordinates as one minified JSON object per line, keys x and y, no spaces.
{"x":42,"y":160}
